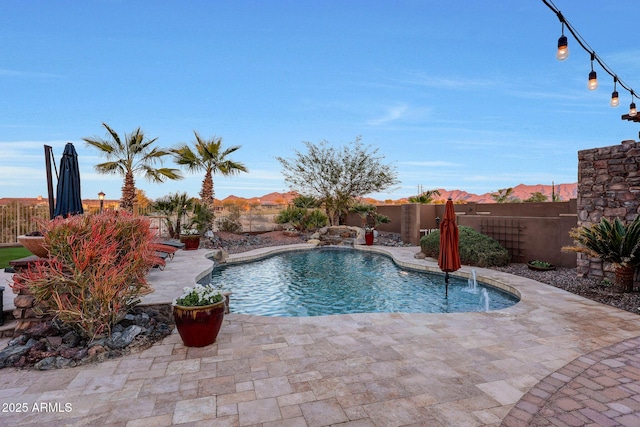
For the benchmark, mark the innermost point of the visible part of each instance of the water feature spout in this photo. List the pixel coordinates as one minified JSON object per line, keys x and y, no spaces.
{"x":484,"y":300}
{"x":472,"y":283}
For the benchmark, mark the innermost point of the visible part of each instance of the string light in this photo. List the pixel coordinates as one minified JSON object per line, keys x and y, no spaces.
{"x":563,"y":53}
{"x":593,"y":77}
{"x":563,"y":44}
{"x":614,"y":95}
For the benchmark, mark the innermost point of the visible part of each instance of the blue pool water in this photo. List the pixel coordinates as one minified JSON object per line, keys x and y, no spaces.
{"x":341,"y":281}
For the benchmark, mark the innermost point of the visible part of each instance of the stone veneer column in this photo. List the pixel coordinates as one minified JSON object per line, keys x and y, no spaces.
{"x":609,"y":186}
{"x":410,"y":223}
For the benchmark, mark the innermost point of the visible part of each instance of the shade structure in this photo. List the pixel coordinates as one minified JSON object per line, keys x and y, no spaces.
{"x":449,"y":257}
{"x":68,"y":200}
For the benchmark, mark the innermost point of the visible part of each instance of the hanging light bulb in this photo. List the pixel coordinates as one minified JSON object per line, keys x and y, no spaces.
{"x":593,"y":78}
{"x":563,"y":49}
{"x":563,"y":44}
{"x":614,"y":95}
{"x":632,"y":108}
{"x":593,"y":81}
{"x":614,"y":99}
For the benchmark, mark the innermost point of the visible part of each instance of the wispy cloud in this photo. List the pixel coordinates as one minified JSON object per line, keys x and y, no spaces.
{"x":392,"y":114}
{"x":29,"y":74}
{"x":431,"y":164}
{"x":419,"y":78}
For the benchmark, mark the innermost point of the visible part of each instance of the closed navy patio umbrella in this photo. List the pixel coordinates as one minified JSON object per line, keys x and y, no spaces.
{"x":68,"y":200}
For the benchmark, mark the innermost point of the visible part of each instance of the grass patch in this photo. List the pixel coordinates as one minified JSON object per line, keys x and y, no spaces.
{"x":11,"y":253}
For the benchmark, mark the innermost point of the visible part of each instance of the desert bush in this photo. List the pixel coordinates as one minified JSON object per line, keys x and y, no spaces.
{"x":96,"y":270}
{"x":302,"y":218}
{"x":292,"y":215}
{"x":475,"y":248}
{"x":230,"y":223}
{"x":315,"y":219}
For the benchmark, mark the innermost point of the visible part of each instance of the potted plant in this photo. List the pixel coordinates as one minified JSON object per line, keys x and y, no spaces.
{"x":538,"y":265}
{"x":198,"y":314}
{"x":190,"y":237}
{"x":370,"y":220}
{"x":612,"y":242}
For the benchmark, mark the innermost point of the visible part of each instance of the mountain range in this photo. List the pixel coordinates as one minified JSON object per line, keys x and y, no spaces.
{"x":521,"y":191}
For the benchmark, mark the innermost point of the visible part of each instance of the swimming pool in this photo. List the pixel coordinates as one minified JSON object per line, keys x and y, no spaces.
{"x":341,"y":281}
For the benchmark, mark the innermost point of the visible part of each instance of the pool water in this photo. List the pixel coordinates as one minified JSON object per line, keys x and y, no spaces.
{"x":341,"y":281}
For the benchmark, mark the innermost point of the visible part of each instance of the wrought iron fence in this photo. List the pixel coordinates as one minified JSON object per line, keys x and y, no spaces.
{"x":17,"y":218}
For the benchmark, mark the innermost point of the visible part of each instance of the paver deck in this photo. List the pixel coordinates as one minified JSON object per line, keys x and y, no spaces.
{"x":552,"y":359}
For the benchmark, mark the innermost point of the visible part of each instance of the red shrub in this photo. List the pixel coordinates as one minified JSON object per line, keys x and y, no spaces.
{"x":96,"y":270}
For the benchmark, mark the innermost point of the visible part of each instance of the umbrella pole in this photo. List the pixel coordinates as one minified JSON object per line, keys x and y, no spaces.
{"x":446,"y":284}
{"x":47,"y":162}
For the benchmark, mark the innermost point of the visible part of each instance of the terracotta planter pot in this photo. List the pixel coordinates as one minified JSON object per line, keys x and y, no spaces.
{"x":624,"y":278}
{"x":368,"y":238}
{"x":199,"y":326}
{"x":191,"y":243}
{"x":34,"y":245}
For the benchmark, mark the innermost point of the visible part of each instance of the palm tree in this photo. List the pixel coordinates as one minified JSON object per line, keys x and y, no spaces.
{"x":129,"y":156}
{"x":614,"y":242}
{"x":174,"y":208}
{"x":425,"y":197}
{"x":504,"y":195}
{"x":209,"y":157}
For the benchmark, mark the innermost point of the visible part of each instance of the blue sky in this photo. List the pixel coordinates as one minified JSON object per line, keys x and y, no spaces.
{"x":457,"y":95}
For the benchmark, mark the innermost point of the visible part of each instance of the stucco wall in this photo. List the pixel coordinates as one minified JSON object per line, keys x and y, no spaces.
{"x":529,"y":230}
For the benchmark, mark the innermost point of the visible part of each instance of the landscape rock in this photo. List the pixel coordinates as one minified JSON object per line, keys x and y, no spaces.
{"x":48,"y":346}
{"x":122,"y":339}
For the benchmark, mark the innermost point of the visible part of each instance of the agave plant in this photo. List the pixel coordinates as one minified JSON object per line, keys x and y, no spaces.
{"x":612,"y":242}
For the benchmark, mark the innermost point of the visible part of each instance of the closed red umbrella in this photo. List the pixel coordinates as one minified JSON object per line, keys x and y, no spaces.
{"x":449,"y":257}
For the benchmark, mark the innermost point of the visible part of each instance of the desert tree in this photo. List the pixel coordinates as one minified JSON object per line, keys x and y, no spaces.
{"x":537,"y":197}
{"x":133,"y":154}
{"x":208,"y":156}
{"x":337,"y":176}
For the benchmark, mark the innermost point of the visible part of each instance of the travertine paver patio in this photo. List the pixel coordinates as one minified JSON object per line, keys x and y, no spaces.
{"x":464,"y":369}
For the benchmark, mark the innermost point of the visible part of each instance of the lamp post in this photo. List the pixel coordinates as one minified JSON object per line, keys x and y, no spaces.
{"x":101,"y":198}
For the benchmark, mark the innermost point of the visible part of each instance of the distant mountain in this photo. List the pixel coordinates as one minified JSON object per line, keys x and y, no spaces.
{"x":521,"y":191}
{"x":274,"y":198}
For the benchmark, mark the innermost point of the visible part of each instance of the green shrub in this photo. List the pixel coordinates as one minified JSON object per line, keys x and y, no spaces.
{"x":96,"y":270}
{"x":475,"y":248}
{"x":315,"y":219}
{"x":291,"y":214}
{"x":302,"y":218}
